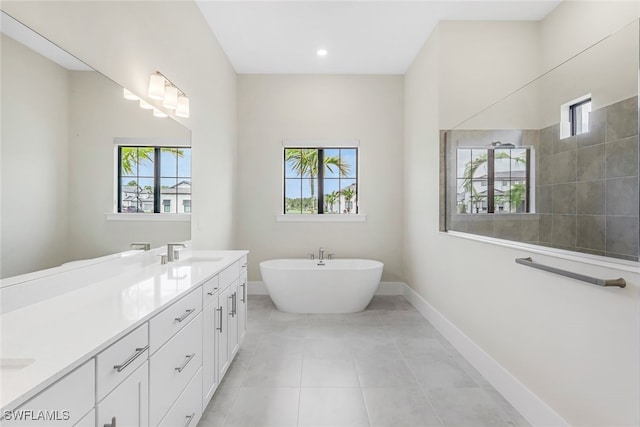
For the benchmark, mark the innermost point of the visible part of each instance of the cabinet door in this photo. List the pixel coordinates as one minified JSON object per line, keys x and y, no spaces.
{"x":128,"y":404}
{"x":222,"y":327}
{"x":242,"y":308}
{"x":209,"y":354}
{"x":233,"y":319}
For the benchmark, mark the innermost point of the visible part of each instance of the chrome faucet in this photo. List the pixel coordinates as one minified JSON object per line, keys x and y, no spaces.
{"x":321,"y":254}
{"x":172,"y":254}
{"x":141,"y":245}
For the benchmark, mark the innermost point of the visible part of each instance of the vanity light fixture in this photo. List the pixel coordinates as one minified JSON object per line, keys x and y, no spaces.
{"x":170,"y":100}
{"x":163,"y":89}
{"x":322,"y":52}
{"x":183,"y":107}
{"x":129,"y":95}
{"x":156,"y":86}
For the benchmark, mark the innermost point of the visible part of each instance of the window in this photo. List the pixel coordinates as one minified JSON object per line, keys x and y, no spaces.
{"x":579,"y":116}
{"x":153,"y":179}
{"x":186,"y":206}
{"x":490,"y":180}
{"x":320,"y":181}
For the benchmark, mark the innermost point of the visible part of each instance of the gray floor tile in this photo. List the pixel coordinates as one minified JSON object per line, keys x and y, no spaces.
{"x":332,"y":407}
{"x":384,"y":373}
{"x":279,"y":372}
{"x":329,"y":373}
{"x":439,"y":373}
{"x":418,"y":347}
{"x":275,"y":346}
{"x":373,"y":348}
{"x":326,"y":348}
{"x":467,"y":407}
{"x":399,"y":407}
{"x":264,"y":406}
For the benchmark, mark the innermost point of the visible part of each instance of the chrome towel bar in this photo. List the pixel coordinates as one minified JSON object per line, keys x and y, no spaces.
{"x":621,"y":283}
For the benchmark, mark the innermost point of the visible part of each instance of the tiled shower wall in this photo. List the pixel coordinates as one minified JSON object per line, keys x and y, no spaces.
{"x":586,"y":186}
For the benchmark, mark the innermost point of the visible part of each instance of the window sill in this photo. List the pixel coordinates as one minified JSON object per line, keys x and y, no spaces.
{"x":147,"y":217}
{"x":321,"y":218}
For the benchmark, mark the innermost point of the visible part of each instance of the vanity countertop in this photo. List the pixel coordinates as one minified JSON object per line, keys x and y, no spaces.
{"x":42,"y":342}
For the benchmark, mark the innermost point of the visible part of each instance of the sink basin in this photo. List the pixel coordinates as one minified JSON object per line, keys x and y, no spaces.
{"x":15,"y":364}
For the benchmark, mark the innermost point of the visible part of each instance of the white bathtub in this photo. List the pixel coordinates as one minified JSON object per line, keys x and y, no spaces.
{"x":338,"y":286}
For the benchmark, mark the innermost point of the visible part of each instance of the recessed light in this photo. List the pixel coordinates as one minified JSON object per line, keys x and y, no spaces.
{"x":322,"y":52}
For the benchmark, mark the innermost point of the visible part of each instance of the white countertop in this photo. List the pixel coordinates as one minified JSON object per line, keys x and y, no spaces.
{"x":62,"y":332}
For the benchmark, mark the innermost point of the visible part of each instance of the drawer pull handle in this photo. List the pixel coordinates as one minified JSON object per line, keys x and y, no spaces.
{"x":210,"y":293}
{"x":130,"y":360}
{"x":186,"y":362}
{"x":220,"y":328}
{"x":189,"y":418}
{"x":113,"y":423}
{"x":185,"y":315}
{"x":244,"y":265}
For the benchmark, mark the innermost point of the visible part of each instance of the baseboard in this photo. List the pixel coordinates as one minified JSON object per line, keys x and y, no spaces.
{"x":530,"y":406}
{"x":385,"y":288}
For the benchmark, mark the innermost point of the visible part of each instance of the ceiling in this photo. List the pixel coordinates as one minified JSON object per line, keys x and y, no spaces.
{"x":361,"y":37}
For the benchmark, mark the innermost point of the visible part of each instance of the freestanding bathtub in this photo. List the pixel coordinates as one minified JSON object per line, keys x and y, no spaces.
{"x":333,"y":286}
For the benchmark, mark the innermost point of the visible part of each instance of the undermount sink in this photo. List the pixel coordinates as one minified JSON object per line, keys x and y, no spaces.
{"x":15,"y":364}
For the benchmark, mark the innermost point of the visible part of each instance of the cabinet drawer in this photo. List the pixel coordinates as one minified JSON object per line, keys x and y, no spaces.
{"x":128,"y":404}
{"x":229,"y":274}
{"x":118,"y":361}
{"x":187,"y":410}
{"x":68,"y":400}
{"x":88,"y":420}
{"x":243,"y":264}
{"x":173,"y":366}
{"x":209,"y":291}
{"x":166,"y":324}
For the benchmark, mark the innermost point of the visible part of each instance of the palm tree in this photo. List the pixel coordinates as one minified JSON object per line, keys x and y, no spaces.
{"x":331,"y":199}
{"x":348,"y":194}
{"x":131,"y":156}
{"x":304,"y":161}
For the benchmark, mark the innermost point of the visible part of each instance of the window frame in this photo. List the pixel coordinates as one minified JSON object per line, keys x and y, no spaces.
{"x":320,"y":178}
{"x":158,"y":205}
{"x":573,"y":122}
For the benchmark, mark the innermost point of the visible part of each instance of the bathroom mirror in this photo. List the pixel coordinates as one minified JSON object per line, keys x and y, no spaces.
{"x":556,"y":162}
{"x":61,"y":123}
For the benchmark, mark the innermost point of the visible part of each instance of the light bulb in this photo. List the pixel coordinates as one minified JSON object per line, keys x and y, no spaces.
{"x":170,"y":97}
{"x":158,"y":113}
{"x":129,"y":95}
{"x":156,"y":86}
{"x":183,"y":106}
{"x":145,"y":105}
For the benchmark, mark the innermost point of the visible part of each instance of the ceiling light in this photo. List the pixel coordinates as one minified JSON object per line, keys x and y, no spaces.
{"x":183,"y":106}
{"x":129,"y":95}
{"x":145,"y":105}
{"x":170,"y":100}
{"x":322,"y":52}
{"x":156,"y":86}
{"x":158,"y":113}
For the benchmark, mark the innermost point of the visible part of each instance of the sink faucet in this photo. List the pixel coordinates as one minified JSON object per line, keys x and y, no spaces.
{"x":141,"y":245}
{"x":172,"y":254}
{"x":321,"y":254}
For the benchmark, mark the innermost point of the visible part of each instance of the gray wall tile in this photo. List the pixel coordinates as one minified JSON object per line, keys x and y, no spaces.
{"x":622,"y":196}
{"x":622,"y":157}
{"x":508,"y":227}
{"x":622,"y":235}
{"x":590,"y":232}
{"x":547,"y":137}
{"x":597,"y":127}
{"x":564,"y":167}
{"x":622,"y":119}
{"x":564,"y":198}
{"x":565,"y":144}
{"x":590,"y":197}
{"x":543,"y":198}
{"x":564,"y":230}
{"x":529,"y":225}
{"x":544,"y":167}
{"x":591,"y":163}
{"x":545,"y":228}
{"x":480,"y":224}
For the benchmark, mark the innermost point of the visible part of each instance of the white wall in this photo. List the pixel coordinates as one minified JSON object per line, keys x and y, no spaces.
{"x":33,"y":160}
{"x":573,"y":345}
{"x":97,"y":114}
{"x":276,"y":107}
{"x":128,"y":41}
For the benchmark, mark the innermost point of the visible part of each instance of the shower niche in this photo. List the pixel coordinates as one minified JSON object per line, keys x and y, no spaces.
{"x":556,"y":162}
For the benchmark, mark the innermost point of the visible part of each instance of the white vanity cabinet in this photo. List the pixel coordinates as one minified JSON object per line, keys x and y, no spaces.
{"x":242,"y":305}
{"x":122,"y":381}
{"x":65,"y":403}
{"x":210,"y":322}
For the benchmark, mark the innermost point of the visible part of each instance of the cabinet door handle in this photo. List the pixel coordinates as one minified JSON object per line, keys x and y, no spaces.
{"x":186,"y":362}
{"x":185,"y":315}
{"x":189,"y":418}
{"x":231,"y":298}
{"x":210,"y":293}
{"x":130,"y":360}
{"x":220,"y":310}
{"x":244,"y":292}
{"x":113,"y":423}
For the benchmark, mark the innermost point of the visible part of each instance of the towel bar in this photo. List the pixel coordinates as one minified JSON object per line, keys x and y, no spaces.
{"x":621,"y":283}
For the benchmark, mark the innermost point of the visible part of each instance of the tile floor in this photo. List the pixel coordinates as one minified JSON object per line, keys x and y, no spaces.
{"x":386,"y":366}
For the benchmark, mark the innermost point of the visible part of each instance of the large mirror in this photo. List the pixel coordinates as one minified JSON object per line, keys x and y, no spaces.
{"x":556,"y":162}
{"x":62,"y":123}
